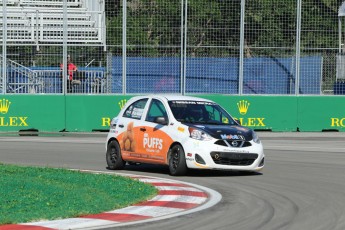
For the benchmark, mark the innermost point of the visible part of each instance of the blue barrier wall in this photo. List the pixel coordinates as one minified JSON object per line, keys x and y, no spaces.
{"x":219,"y":75}
{"x":270,"y":76}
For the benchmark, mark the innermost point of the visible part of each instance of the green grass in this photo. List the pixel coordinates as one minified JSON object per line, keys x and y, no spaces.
{"x":31,"y":193}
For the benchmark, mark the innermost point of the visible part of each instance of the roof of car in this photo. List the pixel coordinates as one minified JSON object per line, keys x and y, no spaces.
{"x":177,"y":97}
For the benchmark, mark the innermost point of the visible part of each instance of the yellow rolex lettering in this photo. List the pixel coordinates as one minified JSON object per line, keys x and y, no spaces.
{"x":341,"y":122}
{"x":335,"y":122}
{"x":106,"y":121}
{"x":251,"y":121}
{"x":3,"y":122}
{"x":10,"y":121}
{"x":261,"y":121}
{"x":243,"y":107}
{"x":338,"y":122}
{"x":23,"y":121}
{"x":13,"y":121}
{"x":242,"y":122}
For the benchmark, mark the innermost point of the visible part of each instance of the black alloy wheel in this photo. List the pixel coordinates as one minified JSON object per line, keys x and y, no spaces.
{"x":177,"y":161}
{"x":113,"y":156}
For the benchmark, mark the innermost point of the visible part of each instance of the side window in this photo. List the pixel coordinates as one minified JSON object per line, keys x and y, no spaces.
{"x":136,"y":109}
{"x":156,"y":109}
{"x":213,"y":113}
{"x":217,"y":115}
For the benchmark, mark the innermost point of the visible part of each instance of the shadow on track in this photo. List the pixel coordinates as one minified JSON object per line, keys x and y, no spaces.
{"x":161,"y":169}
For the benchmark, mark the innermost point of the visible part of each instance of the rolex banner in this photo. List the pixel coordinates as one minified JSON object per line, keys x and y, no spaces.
{"x":321,"y":113}
{"x":32,"y":112}
{"x":261,"y":112}
{"x":286,"y":113}
{"x":87,"y":113}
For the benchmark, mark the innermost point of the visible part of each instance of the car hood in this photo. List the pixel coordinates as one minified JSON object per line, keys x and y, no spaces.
{"x":226,"y":132}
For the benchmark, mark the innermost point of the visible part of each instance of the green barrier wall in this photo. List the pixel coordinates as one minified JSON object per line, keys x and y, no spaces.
{"x":87,"y":113}
{"x":91,"y":113}
{"x":321,"y":113}
{"x":27,"y":112}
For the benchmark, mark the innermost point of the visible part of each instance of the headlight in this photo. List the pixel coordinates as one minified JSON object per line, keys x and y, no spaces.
{"x":113,"y":123}
{"x":256,"y":138}
{"x":199,"y":134}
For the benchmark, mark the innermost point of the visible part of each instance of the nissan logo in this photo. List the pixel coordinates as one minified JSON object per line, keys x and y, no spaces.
{"x":234,"y":143}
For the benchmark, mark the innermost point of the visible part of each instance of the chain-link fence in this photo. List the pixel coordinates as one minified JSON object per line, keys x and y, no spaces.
{"x":242,"y":47}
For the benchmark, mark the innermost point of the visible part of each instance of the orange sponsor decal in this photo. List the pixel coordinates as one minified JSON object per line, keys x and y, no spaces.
{"x":180,"y":129}
{"x":151,"y":145}
{"x":127,"y":141}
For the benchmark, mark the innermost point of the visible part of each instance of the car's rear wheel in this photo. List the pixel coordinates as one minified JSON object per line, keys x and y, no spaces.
{"x":113,"y":156}
{"x":177,"y":161}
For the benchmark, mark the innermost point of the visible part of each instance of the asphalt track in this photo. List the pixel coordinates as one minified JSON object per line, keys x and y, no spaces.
{"x":302,"y":186}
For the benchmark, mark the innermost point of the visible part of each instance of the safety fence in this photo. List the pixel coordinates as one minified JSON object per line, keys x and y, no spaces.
{"x":264,"y":47}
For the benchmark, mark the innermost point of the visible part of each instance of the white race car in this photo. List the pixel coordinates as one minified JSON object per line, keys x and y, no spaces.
{"x":181,"y":132}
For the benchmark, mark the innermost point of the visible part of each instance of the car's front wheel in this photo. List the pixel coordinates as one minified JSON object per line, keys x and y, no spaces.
{"x":177,"y":161}
{"x":113,"y":156}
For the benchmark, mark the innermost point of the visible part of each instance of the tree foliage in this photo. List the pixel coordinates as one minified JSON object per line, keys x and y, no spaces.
{"x":269,"y":25}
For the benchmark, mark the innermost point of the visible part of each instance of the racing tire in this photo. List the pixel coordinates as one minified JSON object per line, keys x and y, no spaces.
{"x":177,"y":161}
{"x":113,"y":156}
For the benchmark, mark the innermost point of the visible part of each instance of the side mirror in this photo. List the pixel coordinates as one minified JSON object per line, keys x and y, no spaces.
{"x":161,"y":120}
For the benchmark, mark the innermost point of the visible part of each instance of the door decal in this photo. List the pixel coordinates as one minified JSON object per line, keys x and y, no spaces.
{"x":127,"y":142}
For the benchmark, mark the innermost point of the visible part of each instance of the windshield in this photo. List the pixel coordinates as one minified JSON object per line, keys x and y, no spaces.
{"x":200,"y":112}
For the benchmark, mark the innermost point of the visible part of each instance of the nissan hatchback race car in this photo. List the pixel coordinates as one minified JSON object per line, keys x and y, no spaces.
{"x":181,"y":132}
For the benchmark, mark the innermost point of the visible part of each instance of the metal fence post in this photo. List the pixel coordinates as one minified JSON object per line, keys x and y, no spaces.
{"x":4,"y":50}
{"x":64,"y":48}
{"x":339,"y":35}
{"x":124,"y":46}
{"x":183,"y":45}
{"x":109,"y":76}
{"x":298,"y":46}
{"x":241,"y":63}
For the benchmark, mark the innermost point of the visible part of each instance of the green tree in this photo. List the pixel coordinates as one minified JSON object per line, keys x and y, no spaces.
{"x":154,"y":27}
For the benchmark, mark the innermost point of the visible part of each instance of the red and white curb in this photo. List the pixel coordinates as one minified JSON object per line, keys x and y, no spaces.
{"x":174,"y":198}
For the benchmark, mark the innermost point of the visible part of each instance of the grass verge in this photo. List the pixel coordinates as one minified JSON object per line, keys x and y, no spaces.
{"x":30,"y":194}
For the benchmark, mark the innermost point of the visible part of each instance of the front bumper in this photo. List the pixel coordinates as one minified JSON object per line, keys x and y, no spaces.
{"x":209,"y":155}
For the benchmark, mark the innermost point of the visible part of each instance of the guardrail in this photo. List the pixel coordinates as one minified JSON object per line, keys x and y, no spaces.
{"x":51,"y":82}
{"x":21,"y":79}
{"x":85,"y":82}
